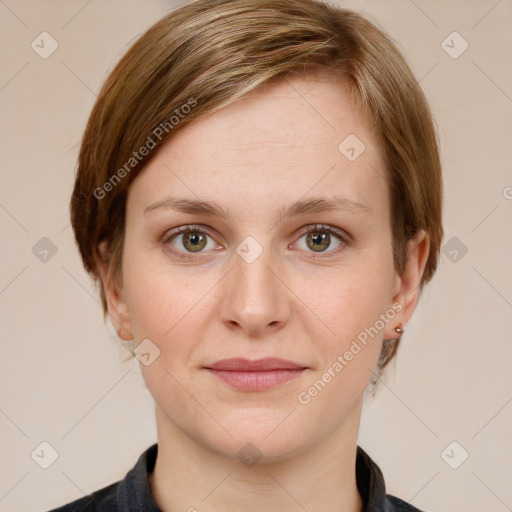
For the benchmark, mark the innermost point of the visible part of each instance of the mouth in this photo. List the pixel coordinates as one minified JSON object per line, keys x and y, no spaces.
{"x":258,"y":375}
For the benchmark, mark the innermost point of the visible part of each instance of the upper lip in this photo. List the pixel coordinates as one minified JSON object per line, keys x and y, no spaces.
{"x":241,"y":364}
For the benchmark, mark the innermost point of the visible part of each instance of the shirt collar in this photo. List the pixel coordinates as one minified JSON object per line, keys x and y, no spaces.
{"x":134,"y":492}
{"x":370,"y":484}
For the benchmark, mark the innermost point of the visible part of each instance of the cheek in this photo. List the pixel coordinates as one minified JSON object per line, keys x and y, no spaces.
{"x":349,"y":301}
{"x":155,"y":293}
{"x":347,"y":345}
{"x":348,"y":328}
{"x":167,"y":305}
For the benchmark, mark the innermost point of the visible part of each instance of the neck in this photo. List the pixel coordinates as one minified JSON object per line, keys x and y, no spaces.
{"x":189,"y":476}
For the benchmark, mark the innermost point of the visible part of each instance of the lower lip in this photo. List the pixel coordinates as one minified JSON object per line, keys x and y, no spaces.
{"x":257,"y":381}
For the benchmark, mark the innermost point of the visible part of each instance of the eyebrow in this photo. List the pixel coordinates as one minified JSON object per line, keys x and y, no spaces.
{"x":300,"y":207}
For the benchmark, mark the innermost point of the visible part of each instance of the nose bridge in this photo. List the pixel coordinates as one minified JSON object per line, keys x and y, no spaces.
{"x":253,"y":296}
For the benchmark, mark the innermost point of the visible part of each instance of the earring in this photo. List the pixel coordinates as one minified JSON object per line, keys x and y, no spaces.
{"x":400,"y":330}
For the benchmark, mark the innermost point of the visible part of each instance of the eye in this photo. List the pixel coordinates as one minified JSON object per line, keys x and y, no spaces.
{"x":188,"y":239}
{"x":319,"y":238}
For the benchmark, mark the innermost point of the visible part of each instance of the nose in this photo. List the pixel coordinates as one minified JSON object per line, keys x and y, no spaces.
{"x":254,"y":297}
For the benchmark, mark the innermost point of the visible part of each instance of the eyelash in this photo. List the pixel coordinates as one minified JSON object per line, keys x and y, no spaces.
{"x":340,"y":235}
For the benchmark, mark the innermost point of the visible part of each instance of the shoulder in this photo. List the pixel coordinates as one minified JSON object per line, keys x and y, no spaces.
{"x":132,"y":492}
{"x":371,"y":486}
{"x":398,"y":505}
{"x":102,"y":500}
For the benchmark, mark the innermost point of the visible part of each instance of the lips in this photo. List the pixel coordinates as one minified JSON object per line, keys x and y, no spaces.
{"x":240,"y":364}
{"x":259,"y":375}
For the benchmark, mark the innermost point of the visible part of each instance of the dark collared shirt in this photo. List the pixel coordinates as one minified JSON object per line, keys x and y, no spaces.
{"x":133,"y":493}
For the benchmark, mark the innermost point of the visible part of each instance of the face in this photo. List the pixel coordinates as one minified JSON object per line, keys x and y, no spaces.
{"x":266,"y":270}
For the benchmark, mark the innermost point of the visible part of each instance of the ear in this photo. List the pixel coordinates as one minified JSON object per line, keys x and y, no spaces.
{"x":117,"y":306}
{"x":406,"y":288}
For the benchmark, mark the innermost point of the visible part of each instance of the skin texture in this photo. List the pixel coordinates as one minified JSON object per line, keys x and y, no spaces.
{"x":277,"y":145}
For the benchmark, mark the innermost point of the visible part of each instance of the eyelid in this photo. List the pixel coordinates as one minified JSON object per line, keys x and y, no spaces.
{"x":340,"y":233}
{"x":171,"y":233}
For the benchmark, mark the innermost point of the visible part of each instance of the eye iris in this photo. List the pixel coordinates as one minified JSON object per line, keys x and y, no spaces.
{"x":196,"y":239}
{"x":320,"y":240}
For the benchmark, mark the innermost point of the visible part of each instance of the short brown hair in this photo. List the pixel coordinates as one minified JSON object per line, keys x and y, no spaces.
{"x":211,"y":52}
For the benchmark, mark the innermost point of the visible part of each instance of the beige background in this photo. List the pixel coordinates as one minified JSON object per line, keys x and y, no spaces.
{"x":62,"y":380}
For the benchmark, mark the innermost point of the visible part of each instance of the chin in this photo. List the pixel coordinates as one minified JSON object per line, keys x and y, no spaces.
{"x":261,"y":434}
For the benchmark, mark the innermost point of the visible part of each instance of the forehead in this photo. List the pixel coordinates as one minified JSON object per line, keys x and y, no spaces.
{"x":279,"y":143}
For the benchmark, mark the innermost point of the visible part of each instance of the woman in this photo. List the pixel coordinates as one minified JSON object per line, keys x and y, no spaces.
{"x":259,"y":194}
